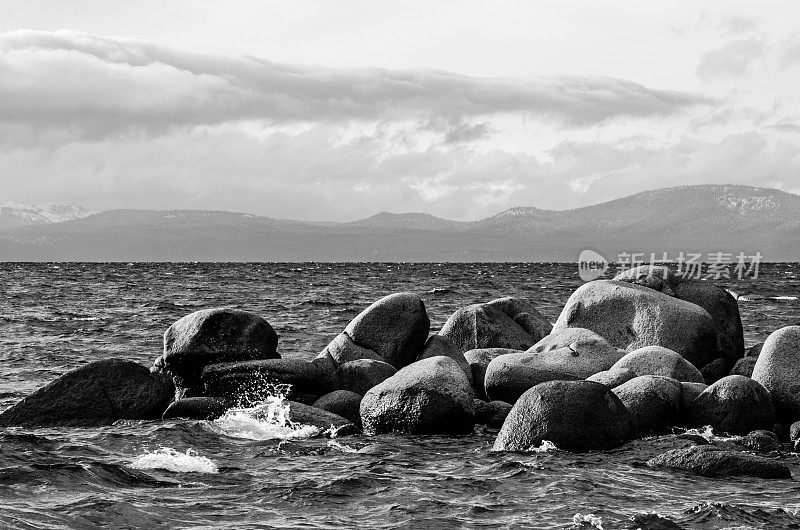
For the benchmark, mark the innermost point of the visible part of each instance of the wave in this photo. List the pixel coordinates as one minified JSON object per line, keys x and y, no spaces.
{"x":171,"y":460}
{"x":268,"y":420}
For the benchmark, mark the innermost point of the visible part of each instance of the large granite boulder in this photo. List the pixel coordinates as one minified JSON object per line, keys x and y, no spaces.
{"x":655,"y":360}
{"x":362,"y":374}
{"x":431,"y":396}
{"x":510,"y":323}
{"x":96,"y":394}
{"x":724,"y":310}
{"x":509,"y":376}
{"x":653,"y":401}
{"x":656,"y":277}
{"x":712,"y":461}
{"x":213,"y":336}
{"x":393,"y":330}
{"x":574,"y":415}
{"x":251,"y":381}
{"x":342,"y":402}
{"x":438,"y":345}
{"x":735,"y":404}
{"x":778,"y":370}
{"x":479,"y":360}
{"x":630,"y":317}
{"x":576,"y":338}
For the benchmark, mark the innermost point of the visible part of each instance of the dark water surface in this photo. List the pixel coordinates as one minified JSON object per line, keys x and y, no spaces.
{"x":55,"y":317}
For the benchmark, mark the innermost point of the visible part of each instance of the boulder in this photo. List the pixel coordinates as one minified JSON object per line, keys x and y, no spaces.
{"x":655,"y":360}
{"x":438,"y":345}
{"x":431,"y":396}
{"x":362,"y":374}
{"x":613,"y":378}
{"x":492,"y":413}
{"x":342,"y":402}
{"x":333,"y":424}
{"x":724,"y":310}
{"x":778,"y":370}
{"x":690,"y":392}
{"x":755,"y":350}
{"x":574,"y":415}
{"x":744,"y":366}
{"x":197,"y":408}
{"x":656,"y":277}
{"x":479,"y":360}
{"x":503,"y":323}
{"x":96,"y":394}
{"x":213,"y":336}
{"x":735,"y":404}
{"x":762,"y":441}
{"x":630,"y":317}
{"x":653,"y":401}
{"x":711,"y":461}
{"x":252,"y":381}
{"x":509,"y":376}
{"x":715,"y":370}
{"x":575,"y":338}
{"x":393,"y":330}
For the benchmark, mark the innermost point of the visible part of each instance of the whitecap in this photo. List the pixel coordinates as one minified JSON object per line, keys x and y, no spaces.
{"x":544,"y":447}
{"x":783,"y":297}
{"x":172,"y":460}
{"x":580,"y":521}
{"x":268,"y":420}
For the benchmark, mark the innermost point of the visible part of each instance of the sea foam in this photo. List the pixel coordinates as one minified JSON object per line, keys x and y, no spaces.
{"x":268,"y":420}
{"x":172,"y":460}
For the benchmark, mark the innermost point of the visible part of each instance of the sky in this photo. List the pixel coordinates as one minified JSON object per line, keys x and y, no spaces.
{"x":335,"y":111}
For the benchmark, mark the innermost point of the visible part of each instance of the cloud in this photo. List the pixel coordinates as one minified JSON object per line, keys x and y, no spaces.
{"x":95,"y":86}
{"x":732,"y":59}
{"x":736,"y":25}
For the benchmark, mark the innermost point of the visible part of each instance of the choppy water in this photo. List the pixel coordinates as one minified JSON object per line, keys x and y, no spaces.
{"x":237,"y":472}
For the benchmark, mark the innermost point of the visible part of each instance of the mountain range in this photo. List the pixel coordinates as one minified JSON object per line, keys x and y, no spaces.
{"x":702,"y":219}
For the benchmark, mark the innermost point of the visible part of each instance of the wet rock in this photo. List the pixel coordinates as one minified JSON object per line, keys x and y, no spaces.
{"x":197,"y":408}
{"x":690,"y":392}
{"x":762,"y":441}
{"x":710,"y":461}
{"x":509,"y":376}
{"x":755,"y":350}
{"x":744,"y":366}
{"x":96,"y":394}
{"x":431,"y":396}
{"x":724,"y":310}
{"x":438,"y":345}
{"x":653,"y":401}
{"x":360,"y":375}
{"x":574,"y":415}
{"x":250,"y":381}
{"x":342,"y":402}
{"x":630,"y":317}
{"x":656,"y":360}
{"x":656,"y":277}
{"x":479,"y":360}
{"x":213,"y":336}
{"x":503,"y":323}
{"x":492,"y":413}
{"x":302,"y":414}
{"x":735,"y":404}
{"x":778,"y":370}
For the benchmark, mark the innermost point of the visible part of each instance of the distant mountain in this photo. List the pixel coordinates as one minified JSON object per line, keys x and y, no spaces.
{"x":693,"y":219}
{"x":15,"y":214}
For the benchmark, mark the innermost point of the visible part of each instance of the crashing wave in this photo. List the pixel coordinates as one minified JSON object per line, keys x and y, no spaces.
{"x":171,"y":460}
{"x":268,"y":420}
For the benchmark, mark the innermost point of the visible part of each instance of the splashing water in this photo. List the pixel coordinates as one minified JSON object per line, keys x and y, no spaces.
{"x":175,"y":461}
{"x":707,"y":432}
{"x":544,"y":447}
{"x":580,"y":521}
{"x":268,"y":420}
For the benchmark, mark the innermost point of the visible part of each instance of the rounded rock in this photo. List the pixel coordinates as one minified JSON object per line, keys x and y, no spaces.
{"x":653,"y":401}
{"x":735,"y":404}
{"x":778,"y":370}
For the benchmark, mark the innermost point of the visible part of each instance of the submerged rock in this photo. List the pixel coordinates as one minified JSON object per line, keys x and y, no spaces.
{"x":96,"y":394}
{"x":710,"y":461}
{"x":503,"y":323}
{"x":213,"y":336}
{"x":479,"y":360}
{"x":734,"y":404}
{"x":197,"y":408}
{"x":431,"y":396}
{"x":574,"y":415}
{"x":653,"y":401}
{"x":778,"y":370}
{"x":630,"y":316}
{"x":393,"y":330}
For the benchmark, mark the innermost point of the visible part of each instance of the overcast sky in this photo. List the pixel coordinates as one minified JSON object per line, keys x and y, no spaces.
{"x":337,"y":110}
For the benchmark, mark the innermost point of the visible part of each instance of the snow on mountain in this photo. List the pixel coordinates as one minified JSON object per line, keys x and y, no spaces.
{"x":14,"y":214}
